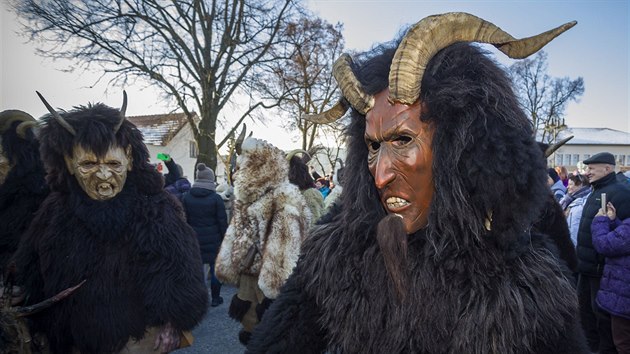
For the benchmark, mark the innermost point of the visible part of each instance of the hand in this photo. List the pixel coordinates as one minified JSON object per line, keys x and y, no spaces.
{"x":611,"y":212}
{"x":167,"y":339}
{"x":17,"y":295}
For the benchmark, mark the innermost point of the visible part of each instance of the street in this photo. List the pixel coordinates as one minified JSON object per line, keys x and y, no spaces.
{"x":218,"y":333}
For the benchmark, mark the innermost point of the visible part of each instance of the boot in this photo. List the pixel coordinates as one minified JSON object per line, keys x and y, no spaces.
{"x":244,"y":336}
{"x":215,"y":290}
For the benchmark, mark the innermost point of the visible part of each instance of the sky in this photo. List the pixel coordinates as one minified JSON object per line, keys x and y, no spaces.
{"x":596,"y":49}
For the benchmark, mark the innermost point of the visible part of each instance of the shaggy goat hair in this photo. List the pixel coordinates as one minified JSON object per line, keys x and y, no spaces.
{"x":469,"y":289}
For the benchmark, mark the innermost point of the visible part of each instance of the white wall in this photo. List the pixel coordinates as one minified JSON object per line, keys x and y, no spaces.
{"x":179,"y":149}
{"x":583,"y":150}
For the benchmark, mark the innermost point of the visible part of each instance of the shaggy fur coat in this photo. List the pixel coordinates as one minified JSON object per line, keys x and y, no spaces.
{"x":268,"y":211}
{"x":138,"y":256}
{"x":21,"y":193}
{"x":20,"y":196}
{"x":469,"y":289}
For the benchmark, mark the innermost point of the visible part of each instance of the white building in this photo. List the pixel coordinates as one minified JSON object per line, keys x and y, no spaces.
{"x":172,"y":134}
{"x":589,"y":141}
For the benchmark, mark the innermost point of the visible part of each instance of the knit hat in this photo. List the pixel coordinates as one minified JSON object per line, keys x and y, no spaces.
{"x":205,"y":178}
{"x":553,"y":174}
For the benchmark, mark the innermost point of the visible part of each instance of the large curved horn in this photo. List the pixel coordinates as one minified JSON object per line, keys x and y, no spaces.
{"x":56,"y":115}
{"x":23,"y":127}
{"x":352,"y":91}
{"x":434,"y":33}
{"x":331,"y":115}
{"x":350,"y":86}
{"x":297,"y":151}
{"x":29,"y":310}
{"x":123,"y":110}
{"x":13,"y":115}
{"x":551,"y":149}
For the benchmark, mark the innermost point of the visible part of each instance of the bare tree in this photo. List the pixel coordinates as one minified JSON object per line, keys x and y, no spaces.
{"x":201,"y":53}
{"x":304,"y":81}
{"x":542,"y":97}
{"x":330,"y":151}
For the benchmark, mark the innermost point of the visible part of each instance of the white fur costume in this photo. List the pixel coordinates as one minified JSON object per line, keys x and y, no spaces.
{"x":269,"y":211}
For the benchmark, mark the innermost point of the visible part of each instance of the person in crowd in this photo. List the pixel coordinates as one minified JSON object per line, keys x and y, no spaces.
{"x":622,"y":178}
{"x":611,"y":238}
{"x":108,"y":223}
{"x":205,"y":212}
{"x":22,"y":184}
{"x":226,"y":192}
{"x":336,"y":192}
{"x":563,"y":174}
{"x":314,"y":173}
{"x":323,"y":186}
{"x":432,"y":249}
{"x":573,"y":203}
{"x":174,"y":180}
{"x":299,"y":176}
{"x":262,"y":244}
{"x":557,"y":188}
{"x":600,"y":171}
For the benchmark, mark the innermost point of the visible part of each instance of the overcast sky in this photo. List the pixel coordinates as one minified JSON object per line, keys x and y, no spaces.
{"x":596,"y":49}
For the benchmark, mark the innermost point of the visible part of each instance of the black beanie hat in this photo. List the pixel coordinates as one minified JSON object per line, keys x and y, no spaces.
{"x":553,"y":174}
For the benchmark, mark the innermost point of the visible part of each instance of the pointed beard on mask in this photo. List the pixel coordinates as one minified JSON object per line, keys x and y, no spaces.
{"x":392,"y":241}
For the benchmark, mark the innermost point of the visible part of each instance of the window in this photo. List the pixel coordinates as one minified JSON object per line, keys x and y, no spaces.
{"x":621,"y":160}
{"x":558,"y":159}
{"x":567,"y":160}
{"x":586,"y":156}
{"x":575,"y":158}
{"x":193,"y":149}
{"x":627,"y":160}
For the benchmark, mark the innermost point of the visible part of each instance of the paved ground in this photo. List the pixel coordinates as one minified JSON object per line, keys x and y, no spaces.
{"x":218,"y":333}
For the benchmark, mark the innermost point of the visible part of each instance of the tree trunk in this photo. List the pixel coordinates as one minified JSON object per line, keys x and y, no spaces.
{"x":207,"y":137}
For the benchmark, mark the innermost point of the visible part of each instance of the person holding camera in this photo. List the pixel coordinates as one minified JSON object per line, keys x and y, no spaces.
{"x":611,"y":238}
{"x":600,"y":171}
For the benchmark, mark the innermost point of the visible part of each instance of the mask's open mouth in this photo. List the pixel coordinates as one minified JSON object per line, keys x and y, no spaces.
{"x":395,"y":204}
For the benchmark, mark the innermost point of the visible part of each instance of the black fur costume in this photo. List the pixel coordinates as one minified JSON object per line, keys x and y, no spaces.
{"x":470,"y":290}
{"x":23,"y":190}
{"x":136,"y":251}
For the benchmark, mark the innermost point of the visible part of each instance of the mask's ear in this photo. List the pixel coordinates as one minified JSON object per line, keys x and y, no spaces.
{"x":129,"y":157}
{"x":69,"y":164}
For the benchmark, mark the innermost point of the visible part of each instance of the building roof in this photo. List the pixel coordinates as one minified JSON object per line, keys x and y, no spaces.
{"x":159,"y":129}
{"x":595,"y":136}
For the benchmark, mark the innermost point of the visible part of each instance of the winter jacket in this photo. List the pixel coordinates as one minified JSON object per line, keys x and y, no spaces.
{"x":573,"y":210}
{"x":570,"y":197}
{"x":590,"y":262}
{"x":178,"y":188}
{"x":205,"y":212}
{"x":614,"y":292}
{"x":559,"y":190}
{"x":315,"y":203}
{"x":574,"y":215}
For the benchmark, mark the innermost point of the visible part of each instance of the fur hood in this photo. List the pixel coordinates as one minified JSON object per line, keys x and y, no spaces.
{"x":261,"y":167}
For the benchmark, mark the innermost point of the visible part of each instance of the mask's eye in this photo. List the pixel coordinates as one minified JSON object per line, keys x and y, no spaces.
{"x":114,"y":164}
{"x":87,"y":164}
{"x":402,"y":140}
{"x":373,"y":146}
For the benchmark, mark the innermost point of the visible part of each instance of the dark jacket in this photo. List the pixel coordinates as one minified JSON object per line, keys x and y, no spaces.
{"x":205,"y":212}
{"x":590,"y":262}
{"x":178,"y":188}
{"x":614,"y":292}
